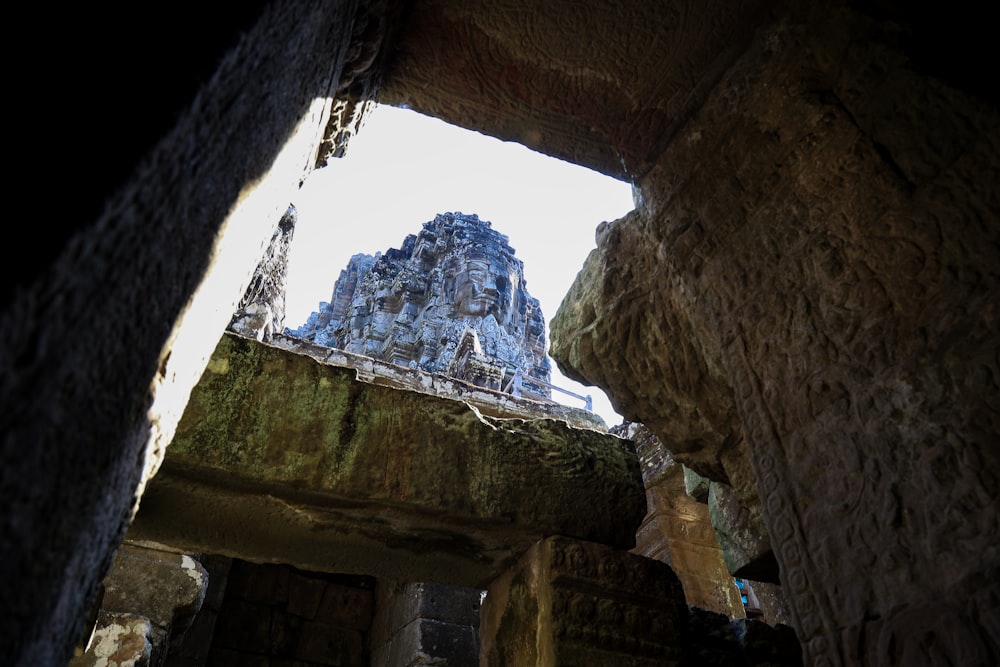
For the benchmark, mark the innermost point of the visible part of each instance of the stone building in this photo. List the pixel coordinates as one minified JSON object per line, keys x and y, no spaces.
{"x":801,"y":307}
{"x":451,"y":300}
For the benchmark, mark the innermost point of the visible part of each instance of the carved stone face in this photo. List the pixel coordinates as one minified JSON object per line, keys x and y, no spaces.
{"x":480,"y":290}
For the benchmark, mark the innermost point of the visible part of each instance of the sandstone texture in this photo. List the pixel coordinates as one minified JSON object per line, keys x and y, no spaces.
{"x":569,"y":602}
{"x":678,"y":529}
{"x":803,"y":305}
{"x":604,"y":87}
{"x":280,"y":458}
{"x":820,"y":230}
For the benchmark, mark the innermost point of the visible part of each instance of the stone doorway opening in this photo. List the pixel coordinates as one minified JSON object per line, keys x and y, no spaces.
{"x":403,"y":168}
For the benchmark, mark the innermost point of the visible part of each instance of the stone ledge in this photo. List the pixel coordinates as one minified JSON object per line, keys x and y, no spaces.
{"x":489,"y":402}
{"x":281,"y":459}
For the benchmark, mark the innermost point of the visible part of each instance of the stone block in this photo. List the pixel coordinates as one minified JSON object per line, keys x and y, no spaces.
{"x":568,"y":602}
{"x":678,"y":530}
{"x":165,"y":587}
{"x":742,"y":535}
{"x":119,"y":639}
{"x":696,"y":485}
{"x":305,"y":594}
{"x":425,"y":641}
{"x":419,"y":622}
{"x":449,"y":604}
{"x":283,"y":459}
{"x":346,"y":606}
{"x":244,"y":626}
{"x":327,"y":644}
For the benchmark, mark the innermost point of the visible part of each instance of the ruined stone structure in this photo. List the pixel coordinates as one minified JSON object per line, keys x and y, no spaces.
{"x":802,"y":305}
{"x":451,"y":300}
{"x":261,"y":312}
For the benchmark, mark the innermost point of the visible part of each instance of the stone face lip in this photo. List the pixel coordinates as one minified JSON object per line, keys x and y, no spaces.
{"x":452,"y":300}
{"x":279,"y":458}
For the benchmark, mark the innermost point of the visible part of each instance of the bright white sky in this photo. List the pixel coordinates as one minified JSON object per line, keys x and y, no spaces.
{"x":404,"y":168}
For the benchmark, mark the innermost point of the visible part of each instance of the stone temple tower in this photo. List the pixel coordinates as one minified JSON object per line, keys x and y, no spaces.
{"x":451,"y":300}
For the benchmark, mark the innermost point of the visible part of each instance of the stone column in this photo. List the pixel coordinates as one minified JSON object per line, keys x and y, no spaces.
{"x":678,"y":530}
{"x":568,"y":602}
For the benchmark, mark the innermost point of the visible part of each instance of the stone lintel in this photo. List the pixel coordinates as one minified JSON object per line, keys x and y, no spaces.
{"x":279,"y":458}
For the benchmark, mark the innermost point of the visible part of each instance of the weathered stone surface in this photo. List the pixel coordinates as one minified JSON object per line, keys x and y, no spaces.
{"x":771,"y":602}
{"x":425,"y":641}
{"x":165,"y":587}
{"x":842,"y":170}
{"x":696,"y":486}
{"x":742,"y":536}
{"x":823,"y":288}
{"x":678,"y":530}
{"x":120,"y":639}
{"x":523,"y":71}
{"x":280,"y":458}
{"x":401,"y":604}
{"x":451,"y":300}
{"x":117,"y":302}
{"x":261,"y":312}
{"x":568,"y":602}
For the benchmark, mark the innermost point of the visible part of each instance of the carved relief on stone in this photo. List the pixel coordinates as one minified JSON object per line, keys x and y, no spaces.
{"x":569,"y":602}
{"x":261,"y":311}
{"x":827,"y":302}
{"x":452,"y":300}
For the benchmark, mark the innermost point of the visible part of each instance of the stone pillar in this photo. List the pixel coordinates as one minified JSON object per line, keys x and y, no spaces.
{"x":677,"y":529}
{"x":425,"y":624}
{"x":568,"y":602}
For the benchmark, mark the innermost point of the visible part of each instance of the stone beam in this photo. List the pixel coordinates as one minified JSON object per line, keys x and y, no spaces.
{"x":279,"y":458}
{"x":528,"y":72}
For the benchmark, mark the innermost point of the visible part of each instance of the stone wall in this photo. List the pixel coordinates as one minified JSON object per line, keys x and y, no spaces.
{"x":819,"y":244}
{"x":275,"y":613}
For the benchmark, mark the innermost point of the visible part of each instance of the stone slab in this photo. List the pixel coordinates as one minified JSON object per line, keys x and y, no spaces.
{"x":279,"y":458}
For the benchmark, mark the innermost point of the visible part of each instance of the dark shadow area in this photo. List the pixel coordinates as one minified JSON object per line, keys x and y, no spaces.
{"x":94,"y":87}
